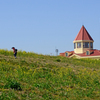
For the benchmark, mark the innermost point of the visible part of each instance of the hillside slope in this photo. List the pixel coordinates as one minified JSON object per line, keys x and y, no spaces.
{"x":42,"y":77}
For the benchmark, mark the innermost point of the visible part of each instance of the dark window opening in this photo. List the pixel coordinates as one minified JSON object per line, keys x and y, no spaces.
{"x":86,"y":45}
{"x":87,"y":52}
{"x":74,"y":45}
{"x":91,"y":45}
{"x":66,"y":54}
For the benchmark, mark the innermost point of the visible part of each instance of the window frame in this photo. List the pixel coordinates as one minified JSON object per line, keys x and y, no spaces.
{"x":74,"y":45}
{"x":78,"y":44}
{"x":86,"y":45}
{"x":91,"y":46}
{"x":67,"y":54}
{"x":87,"y":53}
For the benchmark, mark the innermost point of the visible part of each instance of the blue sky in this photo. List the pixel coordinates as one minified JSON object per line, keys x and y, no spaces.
{"x":42,"y":26}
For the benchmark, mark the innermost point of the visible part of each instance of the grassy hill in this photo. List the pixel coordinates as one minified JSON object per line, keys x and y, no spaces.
{"x":41,"y":77}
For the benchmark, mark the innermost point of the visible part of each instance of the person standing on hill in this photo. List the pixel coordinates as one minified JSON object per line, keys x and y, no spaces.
{"x":15,"y":51}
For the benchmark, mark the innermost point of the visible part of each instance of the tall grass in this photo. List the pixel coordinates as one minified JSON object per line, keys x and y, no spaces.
{"x":40,"y":77}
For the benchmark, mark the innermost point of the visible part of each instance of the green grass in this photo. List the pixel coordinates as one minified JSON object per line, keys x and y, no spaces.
{"x":40,"y":77}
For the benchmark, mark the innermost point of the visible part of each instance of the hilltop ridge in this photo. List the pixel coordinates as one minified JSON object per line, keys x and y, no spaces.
{"x":43,"y":77}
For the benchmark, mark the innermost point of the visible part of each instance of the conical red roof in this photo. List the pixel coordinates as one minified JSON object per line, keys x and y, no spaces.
{"x":83,"y":35}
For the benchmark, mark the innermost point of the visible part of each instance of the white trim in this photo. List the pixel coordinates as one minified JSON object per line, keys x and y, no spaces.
{"x":77,"y":56}
{"x":83,"y":41}
{"x":74,"y":55}
{"x":90,"y":56}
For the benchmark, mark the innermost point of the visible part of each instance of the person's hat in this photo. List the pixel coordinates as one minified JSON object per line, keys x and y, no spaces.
{"x":12,"y":47}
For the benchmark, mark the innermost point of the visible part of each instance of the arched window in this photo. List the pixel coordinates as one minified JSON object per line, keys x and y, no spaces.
{"x":66,"y":54}
{"x":87,"y":52}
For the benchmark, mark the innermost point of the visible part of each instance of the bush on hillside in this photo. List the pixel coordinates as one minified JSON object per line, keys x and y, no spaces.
{"x":58,"y":60}
{"x":13,"y":84}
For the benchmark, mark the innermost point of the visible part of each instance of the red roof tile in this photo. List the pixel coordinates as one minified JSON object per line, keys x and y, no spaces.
{"x":62,"y":54}
{"x":95,"y":53}
{"x":70,"y":51}
{"x":83,"y":35}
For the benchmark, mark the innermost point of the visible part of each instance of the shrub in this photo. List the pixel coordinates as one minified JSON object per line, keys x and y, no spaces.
{"x":13,"y":84}
{"x":58,"y":60}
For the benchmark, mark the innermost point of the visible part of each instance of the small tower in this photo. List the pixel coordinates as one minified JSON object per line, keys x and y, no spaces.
{"x":83,"y":41}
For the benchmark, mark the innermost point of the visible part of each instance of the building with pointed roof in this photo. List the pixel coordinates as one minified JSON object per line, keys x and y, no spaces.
{"x":83,"y":35}
{"x":83,"y":46}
